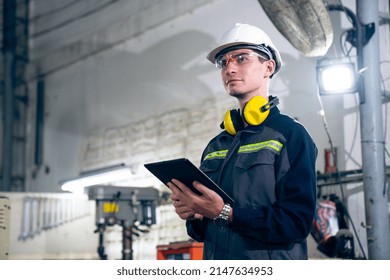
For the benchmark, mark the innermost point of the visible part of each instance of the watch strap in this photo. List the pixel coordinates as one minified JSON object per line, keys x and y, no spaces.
{"x":224,"y":215}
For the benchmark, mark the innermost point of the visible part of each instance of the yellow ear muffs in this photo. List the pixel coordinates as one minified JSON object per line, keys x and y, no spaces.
{"x":256,"y":110}
{"x":232,"y":122}
{"x":254,"y":113}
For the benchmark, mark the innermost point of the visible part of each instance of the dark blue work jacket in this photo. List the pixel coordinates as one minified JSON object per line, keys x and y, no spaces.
{"x":269,"y":170}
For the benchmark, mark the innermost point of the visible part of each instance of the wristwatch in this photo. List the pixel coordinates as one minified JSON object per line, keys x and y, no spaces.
{"x":223,"y":218}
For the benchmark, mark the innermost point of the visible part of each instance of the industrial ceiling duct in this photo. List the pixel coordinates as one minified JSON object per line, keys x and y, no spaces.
{"x":304,"y":23}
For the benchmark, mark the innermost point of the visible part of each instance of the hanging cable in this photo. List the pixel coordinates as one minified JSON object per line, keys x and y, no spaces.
{"x":385,"y":98}
{"x":333,"y":151}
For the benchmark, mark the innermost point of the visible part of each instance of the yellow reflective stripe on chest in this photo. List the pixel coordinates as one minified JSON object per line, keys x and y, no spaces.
{"x":249,"y":148}
{"x":270,"y":144}
{"x":217,"y":154}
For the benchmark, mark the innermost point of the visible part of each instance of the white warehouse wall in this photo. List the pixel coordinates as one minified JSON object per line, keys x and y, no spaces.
{"x":153,"y":95}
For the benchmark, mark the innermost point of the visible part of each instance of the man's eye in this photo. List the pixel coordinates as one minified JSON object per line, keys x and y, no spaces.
{"x":241,"y":58}
{"x":223,"y":62}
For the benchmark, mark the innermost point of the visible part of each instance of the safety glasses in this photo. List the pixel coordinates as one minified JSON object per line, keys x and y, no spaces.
{"x":222,"y":61}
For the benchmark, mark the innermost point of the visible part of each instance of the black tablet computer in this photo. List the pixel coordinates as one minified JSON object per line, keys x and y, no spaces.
{"x":185,"y":171}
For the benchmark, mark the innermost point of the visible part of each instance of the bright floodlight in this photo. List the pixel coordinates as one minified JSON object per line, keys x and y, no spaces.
{"x":337,"y":78}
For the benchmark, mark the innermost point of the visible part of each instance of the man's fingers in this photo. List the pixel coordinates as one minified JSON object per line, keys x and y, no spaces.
{"x":179,"y":185}
{"x":173,"y":187}
{"x":178,"y":203}
{"x":200,"y":187}
{"x":184,"y":212}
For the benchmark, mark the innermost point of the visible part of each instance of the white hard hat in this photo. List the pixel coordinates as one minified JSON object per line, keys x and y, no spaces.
{"x":246,"y":36}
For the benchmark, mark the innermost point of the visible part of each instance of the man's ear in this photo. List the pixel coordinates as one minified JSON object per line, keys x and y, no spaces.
{"x":270,"y":68}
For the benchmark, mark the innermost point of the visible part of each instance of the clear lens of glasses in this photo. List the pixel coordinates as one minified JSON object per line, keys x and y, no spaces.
{"x":238,"y":59}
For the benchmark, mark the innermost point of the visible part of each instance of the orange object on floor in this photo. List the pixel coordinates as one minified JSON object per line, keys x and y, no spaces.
{"x":180,"y":251}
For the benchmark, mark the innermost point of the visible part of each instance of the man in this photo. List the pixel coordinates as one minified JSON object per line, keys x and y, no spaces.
{"x":264,"y":160}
